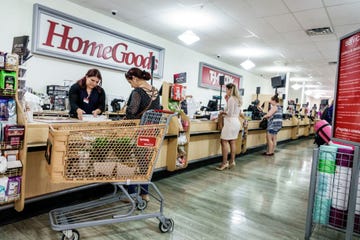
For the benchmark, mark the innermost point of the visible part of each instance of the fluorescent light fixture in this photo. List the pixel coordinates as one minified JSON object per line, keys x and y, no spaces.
{"x":248,"y":64}
{"x":296,"y":86}
{"x":189,"y":37}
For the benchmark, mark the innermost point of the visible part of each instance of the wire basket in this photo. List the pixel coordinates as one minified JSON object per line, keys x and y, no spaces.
{"x":119,"y":151}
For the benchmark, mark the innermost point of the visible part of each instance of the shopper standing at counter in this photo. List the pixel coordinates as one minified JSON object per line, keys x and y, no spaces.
{"x":142,"y":98}
{"x":232,"y":126}
{"x":274,"y":117}
{"x":87,"y":96}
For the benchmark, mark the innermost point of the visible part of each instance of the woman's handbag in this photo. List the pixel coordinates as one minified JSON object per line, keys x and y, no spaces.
{"x":220,"y":123}
{"x":263,"y":123}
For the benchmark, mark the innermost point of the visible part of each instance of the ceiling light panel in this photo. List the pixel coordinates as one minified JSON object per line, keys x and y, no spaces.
{"x":189,"y":37}
{"x":247,"y":64}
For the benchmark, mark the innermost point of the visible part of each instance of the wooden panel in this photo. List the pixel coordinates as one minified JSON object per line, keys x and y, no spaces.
{"x":37,"y":178}
{"x":284,"y":134}
{"x":161,"y":161}
{"x":256,"y":138}
{"x":37,"y":133}
{"x":202,"y":126}
{"x":202,"y":146}
{"x":253,"y":124}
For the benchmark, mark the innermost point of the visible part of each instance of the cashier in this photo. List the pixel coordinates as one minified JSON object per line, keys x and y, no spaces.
{"x":87,"y":96}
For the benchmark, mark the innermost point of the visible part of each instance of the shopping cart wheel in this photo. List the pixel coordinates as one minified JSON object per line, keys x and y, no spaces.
{"x":75,"y":235}
{"x":167,"y":225}
{"x":141,"y":205}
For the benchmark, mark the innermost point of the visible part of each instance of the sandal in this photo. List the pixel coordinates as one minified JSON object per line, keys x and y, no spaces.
{"x":232,"y":165}
{"x":223,"y":167}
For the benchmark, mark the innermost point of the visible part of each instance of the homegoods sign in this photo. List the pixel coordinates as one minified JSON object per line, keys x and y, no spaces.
{"x":59,"y":35}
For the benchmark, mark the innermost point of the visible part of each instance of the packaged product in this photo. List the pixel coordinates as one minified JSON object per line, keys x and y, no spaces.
{"x":3,"y":186}
{"x":2,"y":60}
{"x":7,"y":80}
{"x":14,"y":134}
{"x":4,"y":112}
{"x":13,"y":186}
{"x":11,"y":62}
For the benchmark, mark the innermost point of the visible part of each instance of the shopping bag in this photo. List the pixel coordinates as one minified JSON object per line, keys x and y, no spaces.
{"x":263,"y":123}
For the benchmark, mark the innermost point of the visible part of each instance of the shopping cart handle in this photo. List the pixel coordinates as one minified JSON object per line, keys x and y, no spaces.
{"x":164,"y":111}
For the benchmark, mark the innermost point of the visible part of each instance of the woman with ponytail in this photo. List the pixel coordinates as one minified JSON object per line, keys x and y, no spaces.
{"x":274,"y":117}
{"x":142,"y":98}
{"x":232,"y":126}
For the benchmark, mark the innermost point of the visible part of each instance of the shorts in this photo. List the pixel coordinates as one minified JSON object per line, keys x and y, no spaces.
{"x":272,"y":132}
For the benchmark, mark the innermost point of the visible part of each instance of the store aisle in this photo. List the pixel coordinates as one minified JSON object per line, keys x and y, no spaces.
{"x":262,"y":198}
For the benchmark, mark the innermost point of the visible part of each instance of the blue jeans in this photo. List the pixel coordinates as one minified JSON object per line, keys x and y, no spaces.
{"x":144,"y":189}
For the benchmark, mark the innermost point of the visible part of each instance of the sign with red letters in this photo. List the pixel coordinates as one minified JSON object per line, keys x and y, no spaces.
{"x":63,"y":36}
{"x":145,"y":141}
{"x":209,"y":77}
{"x":347,"y":104}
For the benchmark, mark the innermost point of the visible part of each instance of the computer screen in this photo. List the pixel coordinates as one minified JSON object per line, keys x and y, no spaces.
{"x":212,"y":105}
{"x":324,"y":101}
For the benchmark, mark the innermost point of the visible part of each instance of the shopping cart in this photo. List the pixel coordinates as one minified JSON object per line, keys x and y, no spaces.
{"x":120,"y":152}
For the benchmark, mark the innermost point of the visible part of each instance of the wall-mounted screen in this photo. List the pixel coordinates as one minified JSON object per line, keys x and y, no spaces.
{"x":276,"y":82}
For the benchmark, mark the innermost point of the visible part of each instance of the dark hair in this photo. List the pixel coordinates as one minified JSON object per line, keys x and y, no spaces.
{"x":91,"y":73}
{"x":136,"y":72}
{"x":230,"y":85}
{"x":276,"y":98}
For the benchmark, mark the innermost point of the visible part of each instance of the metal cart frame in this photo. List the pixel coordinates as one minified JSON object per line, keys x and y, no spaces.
{"x":352,"y":190}
{"x":119,"y":206}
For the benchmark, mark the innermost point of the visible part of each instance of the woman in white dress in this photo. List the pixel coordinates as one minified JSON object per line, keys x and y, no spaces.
{"x":232,"y":126}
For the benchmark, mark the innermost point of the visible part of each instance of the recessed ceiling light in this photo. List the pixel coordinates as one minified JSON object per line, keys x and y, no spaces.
{"x":189,"y":37}
{"x":248,"y":64}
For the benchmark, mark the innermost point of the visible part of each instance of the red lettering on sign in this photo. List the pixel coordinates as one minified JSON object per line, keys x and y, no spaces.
{"x":118,"y":53}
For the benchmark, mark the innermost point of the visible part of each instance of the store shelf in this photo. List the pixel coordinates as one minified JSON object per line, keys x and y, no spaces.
{"x":177,"y":153}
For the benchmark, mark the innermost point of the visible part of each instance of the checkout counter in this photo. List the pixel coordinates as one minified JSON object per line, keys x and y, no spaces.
{"x":203,"y":142}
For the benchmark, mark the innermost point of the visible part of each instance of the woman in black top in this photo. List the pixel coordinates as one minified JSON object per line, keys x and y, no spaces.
{"x":142,"y":98}
{"x":87,"y":96}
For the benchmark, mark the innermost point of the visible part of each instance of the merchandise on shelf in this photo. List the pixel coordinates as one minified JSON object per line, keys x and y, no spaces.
{"x":7,"y":80}
{"x":11,"y":62}
{"x":3,"y":186}
{"x":2,"y":60}
{"x":14,"y":134}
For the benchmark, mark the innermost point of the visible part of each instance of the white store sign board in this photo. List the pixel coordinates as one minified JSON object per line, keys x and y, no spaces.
{"x":59,"y":35}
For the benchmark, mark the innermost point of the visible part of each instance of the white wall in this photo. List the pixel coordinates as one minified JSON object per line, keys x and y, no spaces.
{"x":44,"y":71}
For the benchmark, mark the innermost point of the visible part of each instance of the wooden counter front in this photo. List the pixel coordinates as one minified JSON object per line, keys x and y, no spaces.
{"x":204,"y":143}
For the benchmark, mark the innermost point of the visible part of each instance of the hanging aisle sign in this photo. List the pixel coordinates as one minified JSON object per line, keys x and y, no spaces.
{"x":209,"y":77}
{"x":347,"y":104}
{"x":59,"y":35}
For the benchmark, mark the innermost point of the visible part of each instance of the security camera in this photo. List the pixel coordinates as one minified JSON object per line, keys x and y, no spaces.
{"x":114,"y":12}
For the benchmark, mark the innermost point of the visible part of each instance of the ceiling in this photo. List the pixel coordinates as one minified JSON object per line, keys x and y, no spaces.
{"x":271,"y":33}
